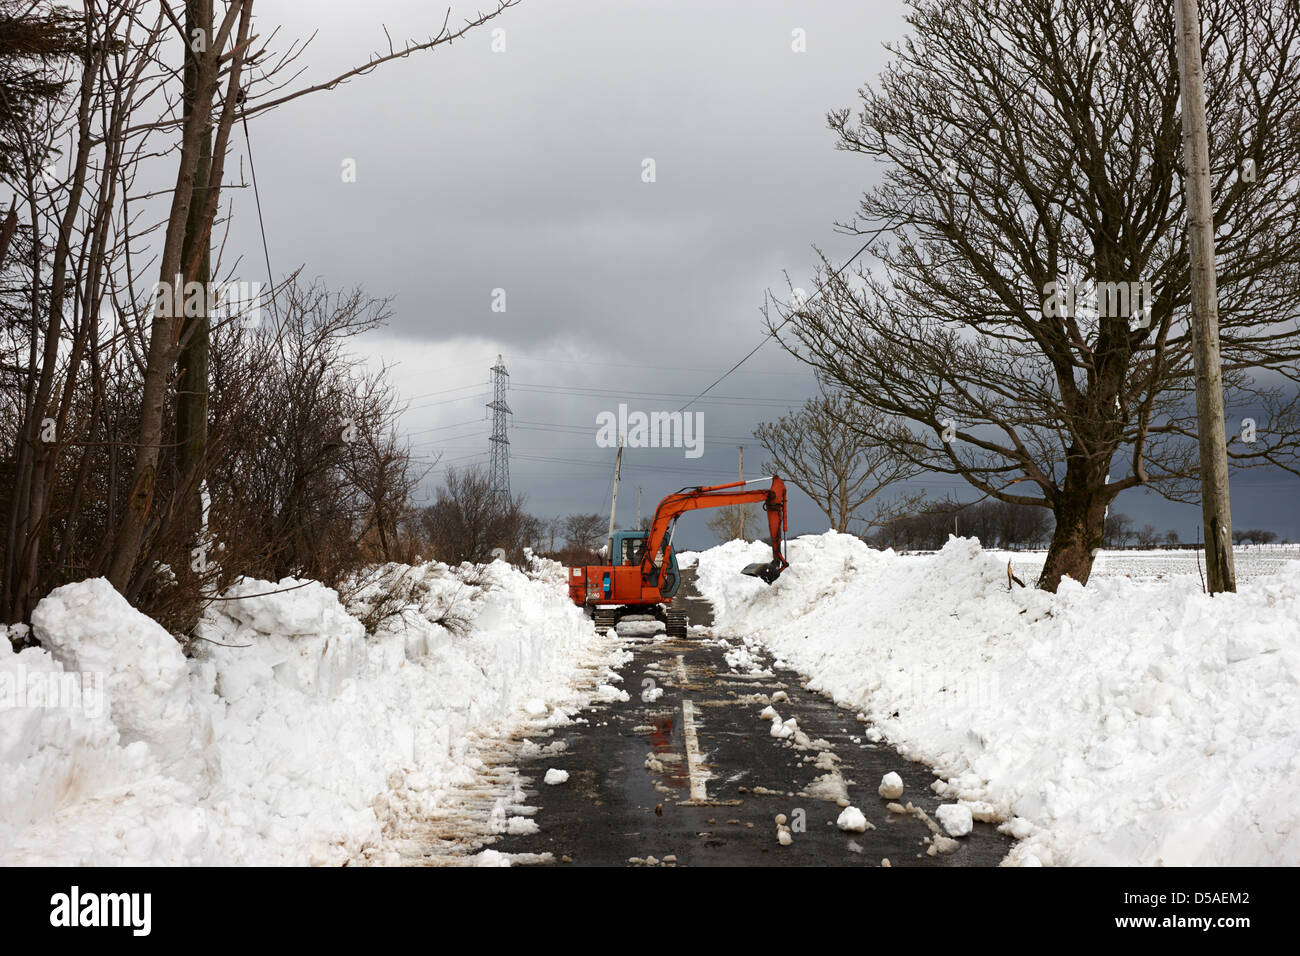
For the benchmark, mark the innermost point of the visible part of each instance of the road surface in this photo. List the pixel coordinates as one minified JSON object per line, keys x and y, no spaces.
{"x":687,"y":773}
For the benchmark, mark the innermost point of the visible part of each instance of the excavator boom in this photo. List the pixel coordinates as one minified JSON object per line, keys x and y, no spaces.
{"x":720,"y":496}
{"x":644,"y":576}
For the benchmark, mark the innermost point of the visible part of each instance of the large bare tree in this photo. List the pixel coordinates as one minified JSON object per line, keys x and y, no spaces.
{"x":1031,"y":186}
{"x":825,"y":449}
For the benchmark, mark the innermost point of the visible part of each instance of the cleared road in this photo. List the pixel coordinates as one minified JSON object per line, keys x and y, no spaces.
{"x":687,"y":772}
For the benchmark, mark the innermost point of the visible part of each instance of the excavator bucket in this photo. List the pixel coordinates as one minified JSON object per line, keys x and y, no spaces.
{"x":766,"y":571}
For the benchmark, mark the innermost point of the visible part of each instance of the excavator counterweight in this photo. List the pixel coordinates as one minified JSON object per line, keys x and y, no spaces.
{"x":644,"y":576}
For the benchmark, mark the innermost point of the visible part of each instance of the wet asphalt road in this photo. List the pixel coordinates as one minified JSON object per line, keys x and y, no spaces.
{"x":694,"y":774}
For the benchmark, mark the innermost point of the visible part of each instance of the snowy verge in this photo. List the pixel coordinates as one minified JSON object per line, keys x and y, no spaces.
{"x":290,"y":736}
{"x":1122,"y":723}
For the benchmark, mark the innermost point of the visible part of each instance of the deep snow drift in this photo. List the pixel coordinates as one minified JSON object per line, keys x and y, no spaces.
{"x":303,"y":740}
{"x":1122,"y":723}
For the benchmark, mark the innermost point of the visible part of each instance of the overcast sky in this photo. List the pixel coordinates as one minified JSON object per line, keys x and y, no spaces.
{"x":522,"y":171}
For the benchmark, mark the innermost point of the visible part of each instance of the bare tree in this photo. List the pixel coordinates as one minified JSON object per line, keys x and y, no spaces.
{"x":467,"y":522}
{"x":997,"y":524}
{"x":1147,"y":536}
{"x":74,"y":235}
{"x":1253,"y":536}
{"x":585,"y":531}
{"x":218,"y":53}
{"x":377,"y":461}
{"x":1033,"y":186}
{"x":824,"y":448}
{"x":734,"y":522}
{"x":1118,"y":530}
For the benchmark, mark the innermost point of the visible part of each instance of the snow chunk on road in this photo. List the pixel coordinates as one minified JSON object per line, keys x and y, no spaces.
{"x":782,"y":730}
{"x":851,"y":820}
{"x":956,"y":818}
{"x":555,"y":776}
{"x":891,"y":786}
{"x":610,"y":693}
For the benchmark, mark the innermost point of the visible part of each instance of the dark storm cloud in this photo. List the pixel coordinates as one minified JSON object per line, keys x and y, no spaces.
{"x":522,"y":171}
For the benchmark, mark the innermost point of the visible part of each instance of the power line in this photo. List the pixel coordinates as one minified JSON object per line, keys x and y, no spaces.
{"x":664,"y":368}
{"x":438,"y":428}
{"x":458,"y":388}
{"x":590,"y":462}
{"x":257,"y":198}
{"x":588,"y":429}
{"x":446,"y":401}
{"x":582,"y":391}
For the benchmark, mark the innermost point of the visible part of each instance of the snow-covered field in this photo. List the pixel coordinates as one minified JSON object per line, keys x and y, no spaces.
{"x":1160,"y":565}
{"x":1135,"y":721}
{"x":291,"y":736}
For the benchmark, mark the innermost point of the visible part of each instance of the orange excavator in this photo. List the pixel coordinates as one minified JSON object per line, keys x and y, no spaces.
{"x":644,"y":575}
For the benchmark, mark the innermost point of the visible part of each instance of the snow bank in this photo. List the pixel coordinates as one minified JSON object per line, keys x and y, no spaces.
{"x":1125,"y":723}
{"x":290,"y":736}
{"x":91,"y":629}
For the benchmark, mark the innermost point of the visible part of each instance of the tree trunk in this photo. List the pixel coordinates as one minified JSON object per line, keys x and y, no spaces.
{"x":164,"y":335}
{"x":1080,"y":511}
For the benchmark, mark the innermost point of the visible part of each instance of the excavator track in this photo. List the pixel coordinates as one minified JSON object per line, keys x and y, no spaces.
{"x":605,"y":618}
{"x":677,"y":624}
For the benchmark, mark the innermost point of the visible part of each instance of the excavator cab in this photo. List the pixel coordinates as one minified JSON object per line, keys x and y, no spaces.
{"x":628,"y":548}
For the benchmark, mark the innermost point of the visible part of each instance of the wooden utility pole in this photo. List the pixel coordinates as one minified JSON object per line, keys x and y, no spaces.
{"x":613,"y":505}
{"x":638,"y":507}
{"x":192,"y":384}
{"x":1215,"y":511}
{"x":742,"y":461}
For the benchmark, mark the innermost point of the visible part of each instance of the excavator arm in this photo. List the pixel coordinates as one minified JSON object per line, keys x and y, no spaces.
{"x":659,"y":538}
